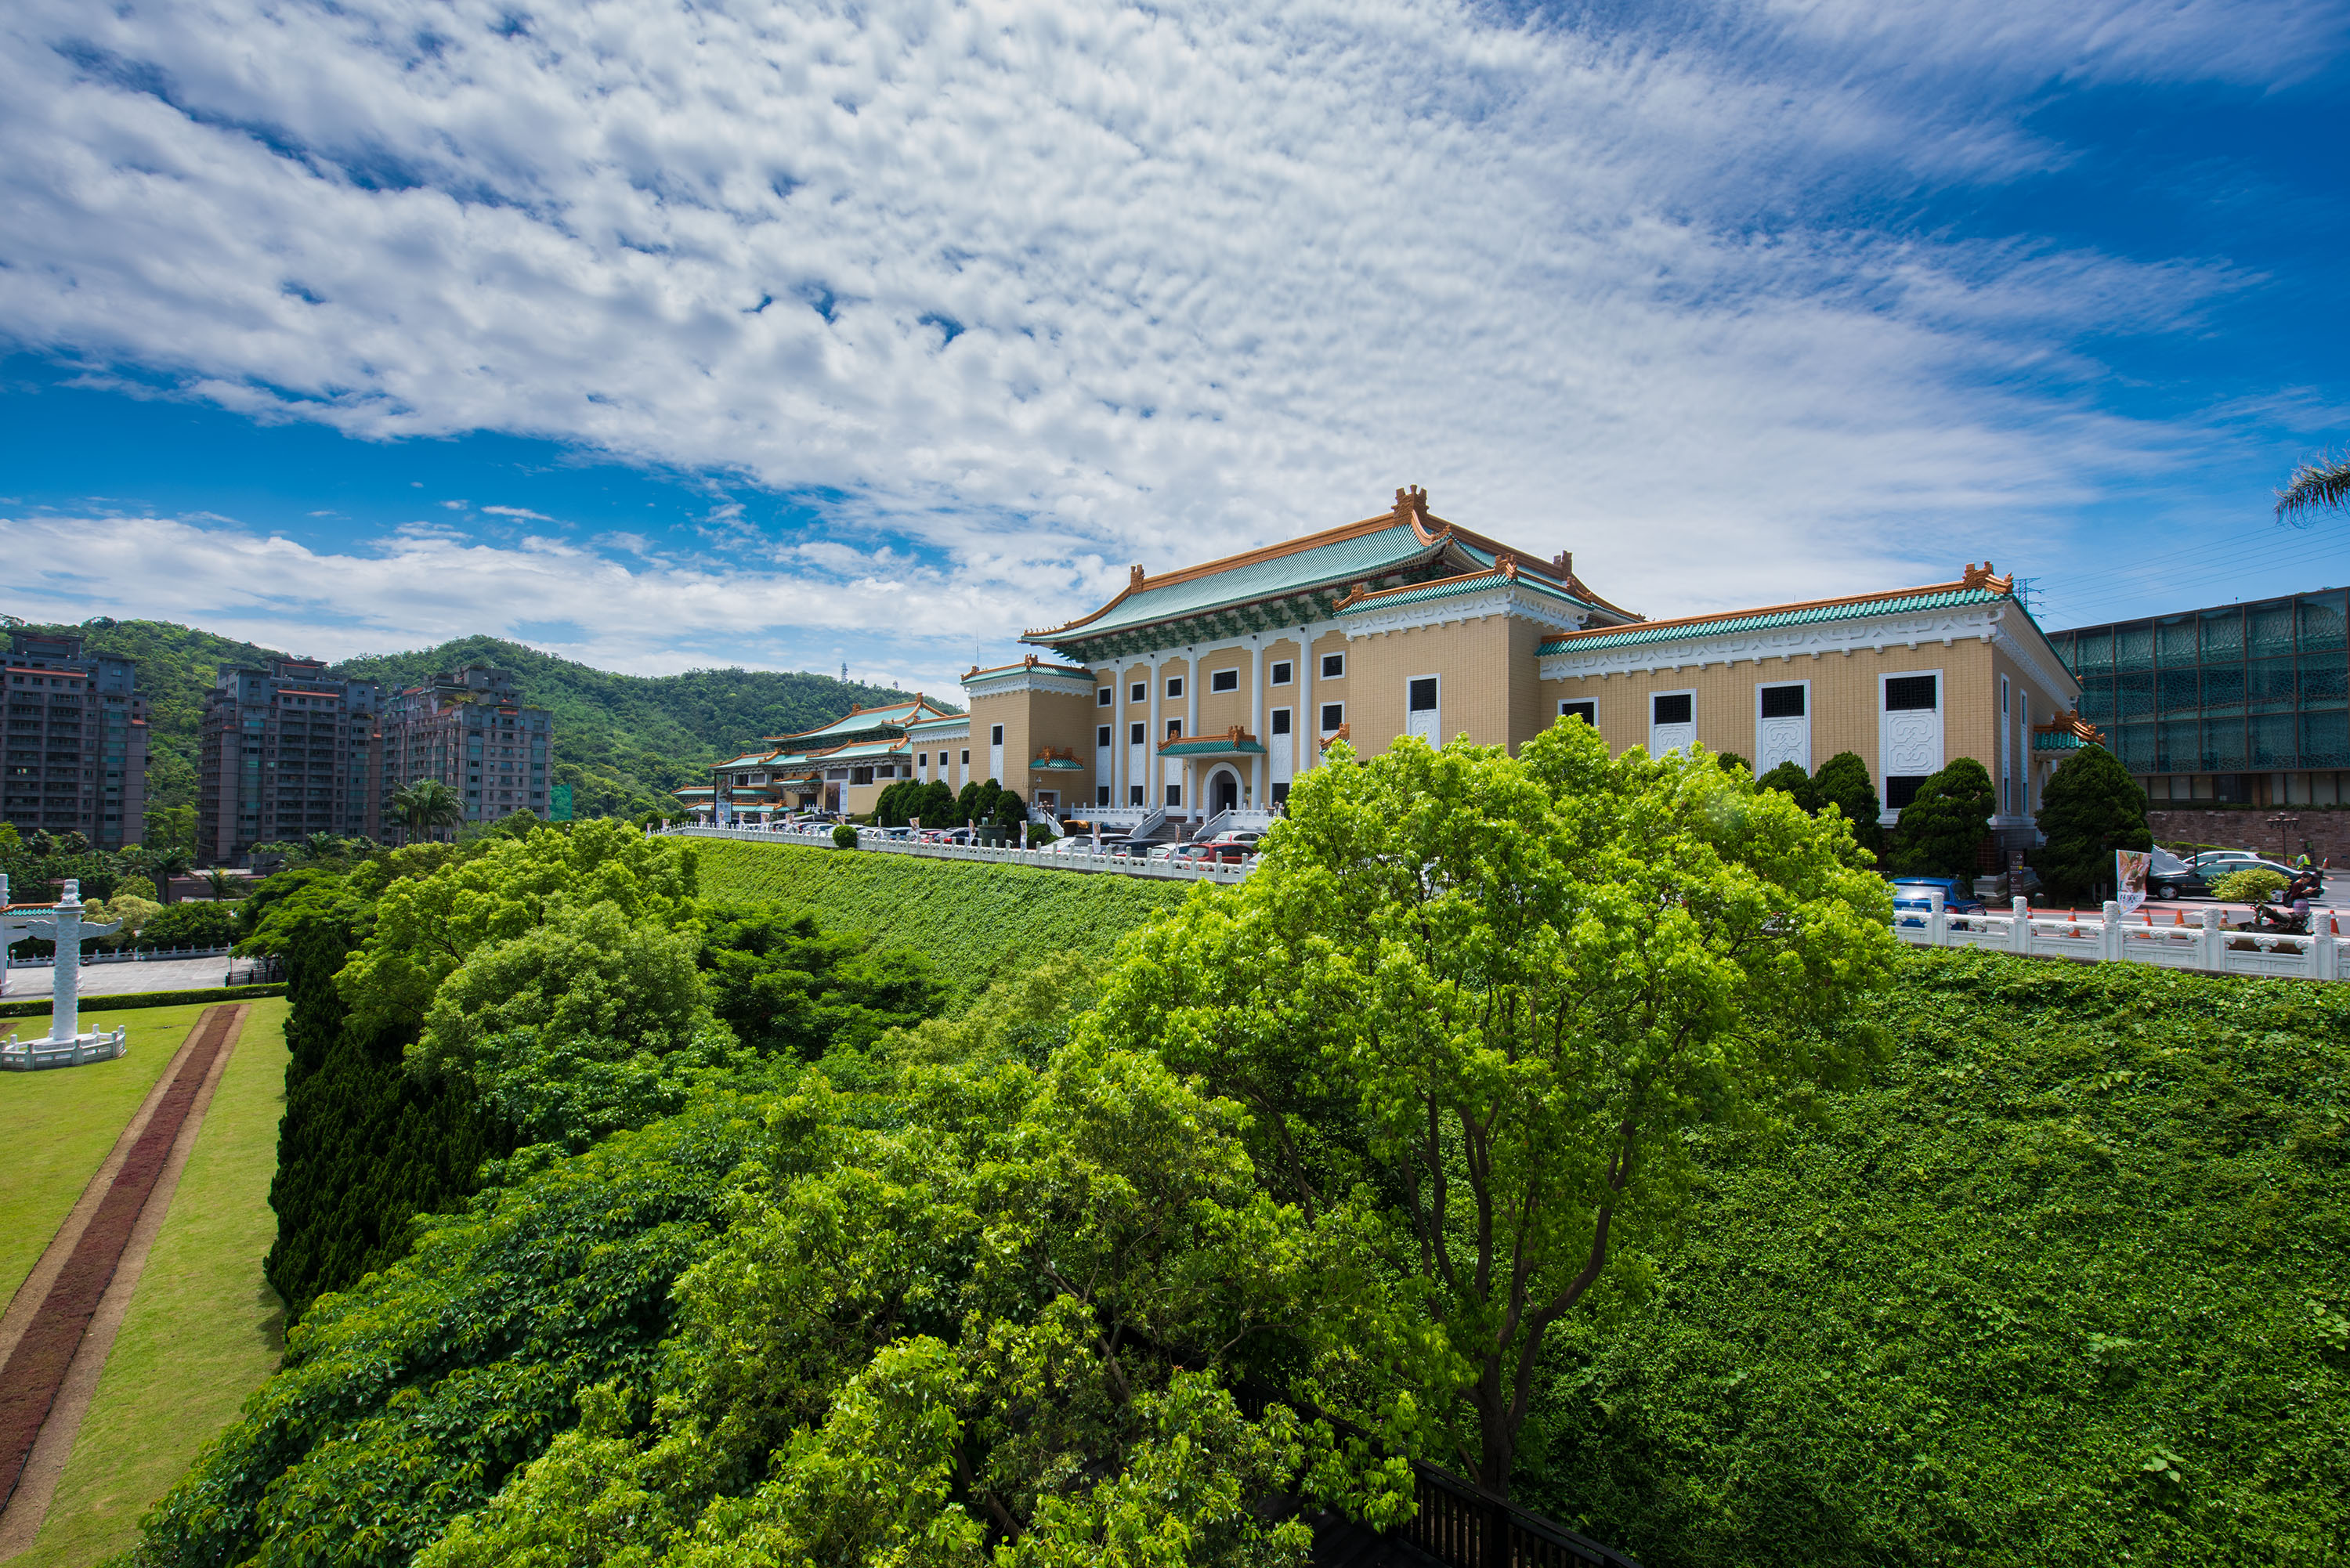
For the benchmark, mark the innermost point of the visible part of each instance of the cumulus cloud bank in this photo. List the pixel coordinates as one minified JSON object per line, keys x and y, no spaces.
{"x":1049,"y":287}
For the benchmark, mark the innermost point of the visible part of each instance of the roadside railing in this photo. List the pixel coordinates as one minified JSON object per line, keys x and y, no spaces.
{"x":871,"y":843}
{"x":2103,"y":937}
{"x":2110,"y":937}
{"x":141,"y":955}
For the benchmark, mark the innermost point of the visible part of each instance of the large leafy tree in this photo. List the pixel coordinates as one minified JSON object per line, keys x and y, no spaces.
{"x":1941,"y":829}
{"x":1473,"y":1000}
{"x":2090,"y":808}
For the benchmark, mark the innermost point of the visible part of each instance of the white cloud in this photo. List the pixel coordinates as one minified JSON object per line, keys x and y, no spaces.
{"x":1052,"y":287}
{"x":522,"y":513}
{"x":428,"y":584}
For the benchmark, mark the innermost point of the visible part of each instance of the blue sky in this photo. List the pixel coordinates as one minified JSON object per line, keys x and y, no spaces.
{"x":794,"y":336}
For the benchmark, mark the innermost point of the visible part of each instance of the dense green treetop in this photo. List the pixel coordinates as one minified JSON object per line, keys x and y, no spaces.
{"x":1942,"y":827}
{"x":2089,"y":809}
{"x":1492,"y":991}
{"x":1843,"y":782}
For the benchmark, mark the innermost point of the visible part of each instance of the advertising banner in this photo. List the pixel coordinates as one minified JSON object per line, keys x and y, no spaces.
{"x":2129,"y":878}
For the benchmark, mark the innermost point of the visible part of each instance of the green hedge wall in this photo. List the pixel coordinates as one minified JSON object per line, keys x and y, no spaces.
{"x":974,"y":919}
{"x":2068,"y":1282}
{"x":39,"y":1006}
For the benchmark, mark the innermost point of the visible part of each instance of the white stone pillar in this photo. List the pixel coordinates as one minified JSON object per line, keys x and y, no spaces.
{"x":1190,"y":726}
{"x":1256,"y":720}
{"x":1155,"y":792}
{"x":2019,"y":935}
{"x":1306,"y":731}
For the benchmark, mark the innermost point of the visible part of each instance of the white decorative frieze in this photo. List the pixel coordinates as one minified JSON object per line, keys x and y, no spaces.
{"x":1503,"y":598}
{"x":1978,"y":623}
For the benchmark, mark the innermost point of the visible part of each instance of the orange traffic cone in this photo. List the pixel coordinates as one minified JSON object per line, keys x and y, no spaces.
{"x":2179,"y":917}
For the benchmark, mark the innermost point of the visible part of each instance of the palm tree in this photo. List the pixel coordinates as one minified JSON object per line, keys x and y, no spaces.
{"x":2320,"y":486}
{"x":223,"y":886}
{"x":424,"y":805}
{"x":164,"y":862}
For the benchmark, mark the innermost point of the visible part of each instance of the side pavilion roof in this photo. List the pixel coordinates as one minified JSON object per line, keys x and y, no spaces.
{"x":864,"y":721}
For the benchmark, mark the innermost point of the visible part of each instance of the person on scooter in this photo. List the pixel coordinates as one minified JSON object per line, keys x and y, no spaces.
{"x":2291,"y":913}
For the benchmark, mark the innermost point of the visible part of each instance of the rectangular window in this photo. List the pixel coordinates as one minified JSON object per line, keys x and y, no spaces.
{"x":1137,"y":692}
{"x":1782,"y":701}
{"x":1282,"y":673}
{"x":1587,"y":711}
{"x":1174,"y":729}
{"x":1900,"y":791}
{"x":1421,"y":697}
{"x":966,"y":759}
{"x":921,"y":759}
{"x":1224,"y":681}
{"x":1174,"y":687}
{"x":1671,"y":708}
{"x":1333,"y":714}
{"x":1175,"y":794}
{"x":1280,"y":721}
{"x":995,"y":736}
{"x":1103,"y":697}
{"x":1334,"y":667}
{"x":1101,"y":738}
{"x":1135,"y":734}
{"x":1101,"y":794}
{"x":1908,"y":693}
{"x":1280,"y":790}
{"x":1134,"y":794}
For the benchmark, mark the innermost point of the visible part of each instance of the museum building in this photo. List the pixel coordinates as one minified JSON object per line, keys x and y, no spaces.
{"x":1205,"y":692}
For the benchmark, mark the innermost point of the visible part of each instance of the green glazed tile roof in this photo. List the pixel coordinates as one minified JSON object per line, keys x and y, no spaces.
{"x":894,"y":715}
{"x":1056,"y":765}
{"x":1214,"y":746}
{"x":1337,"y":563}
{"x":1452,"y":588}
{"x":748,"y":760}
{"x":1764,"y":621}
{"x":925,"y":726}
{"x":2063,"y":741}
{"x":859,"y":752}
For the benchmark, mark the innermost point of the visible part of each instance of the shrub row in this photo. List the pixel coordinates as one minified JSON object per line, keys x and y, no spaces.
{"x":39,"y":1006}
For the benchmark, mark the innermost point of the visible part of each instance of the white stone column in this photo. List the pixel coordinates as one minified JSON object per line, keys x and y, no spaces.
{"x":1190,"y":726}
{"x":1305,"y":730}
{"x":1155,"y":792}
{"x":1256,"y":720}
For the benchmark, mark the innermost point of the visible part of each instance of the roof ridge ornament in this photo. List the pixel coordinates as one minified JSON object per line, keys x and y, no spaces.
{"x":1412,"y":506}
{"x":1134,"y":579}
{"x":1984,"y":576}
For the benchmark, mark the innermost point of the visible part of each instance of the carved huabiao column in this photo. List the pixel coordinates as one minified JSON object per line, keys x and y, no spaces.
{"x":66,"y":927}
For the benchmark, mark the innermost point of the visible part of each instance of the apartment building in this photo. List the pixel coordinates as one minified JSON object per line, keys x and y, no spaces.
{"x":74,"y":757}
{"x":286,"y":753}
{"x":470,"y":729}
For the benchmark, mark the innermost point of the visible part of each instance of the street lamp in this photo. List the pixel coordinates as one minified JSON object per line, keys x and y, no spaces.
{"x":2280,"y":822}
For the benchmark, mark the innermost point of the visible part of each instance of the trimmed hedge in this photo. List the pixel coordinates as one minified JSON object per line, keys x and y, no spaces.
{"x":976,"y":920}
{"x":39,"y":1006}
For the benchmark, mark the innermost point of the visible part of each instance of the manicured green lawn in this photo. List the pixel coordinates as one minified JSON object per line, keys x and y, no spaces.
{"x":204,"y":1330}
{"x":57,"y":1125}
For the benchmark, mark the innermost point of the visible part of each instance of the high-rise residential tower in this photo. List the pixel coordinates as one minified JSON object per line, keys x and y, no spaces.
{"x":468,"y":728}
{"x":287,"y":752}
{"x":75,"y":757}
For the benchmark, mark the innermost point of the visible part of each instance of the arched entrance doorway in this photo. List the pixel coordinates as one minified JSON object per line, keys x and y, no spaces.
{"x":1223,"y":791}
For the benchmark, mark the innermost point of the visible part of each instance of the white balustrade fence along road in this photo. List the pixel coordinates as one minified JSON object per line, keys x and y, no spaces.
{"x":2107,"y":936}
{"x":2110,"y":937}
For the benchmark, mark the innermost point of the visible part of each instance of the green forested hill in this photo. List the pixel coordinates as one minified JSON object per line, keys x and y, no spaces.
{"x":621,"y":741}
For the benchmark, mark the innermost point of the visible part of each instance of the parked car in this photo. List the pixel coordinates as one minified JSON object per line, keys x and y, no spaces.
{"x":2167,"y":877}
{"x":1909,"y":899}
{"x":2214,"y":864}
